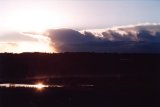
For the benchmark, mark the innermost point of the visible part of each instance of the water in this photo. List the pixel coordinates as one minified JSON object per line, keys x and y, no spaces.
{"x":80,"y":95}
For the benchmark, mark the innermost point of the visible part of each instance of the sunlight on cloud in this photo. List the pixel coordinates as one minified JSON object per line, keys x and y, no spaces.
{"x":20,"y":47}
{"x":42,"y":44}
{"x":125,"y":31}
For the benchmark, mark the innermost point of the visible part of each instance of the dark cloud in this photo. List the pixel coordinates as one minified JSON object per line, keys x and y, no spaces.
{"x":135,"y":38}
{"x":145,"y":35}
{"x":70,"y":40}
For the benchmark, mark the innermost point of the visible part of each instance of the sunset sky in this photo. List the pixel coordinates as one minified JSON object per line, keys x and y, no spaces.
{"x":19,"y":16}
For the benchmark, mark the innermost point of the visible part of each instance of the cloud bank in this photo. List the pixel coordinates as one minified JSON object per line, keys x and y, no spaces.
{"x":140,"y":38}
{"x":21,"y":42}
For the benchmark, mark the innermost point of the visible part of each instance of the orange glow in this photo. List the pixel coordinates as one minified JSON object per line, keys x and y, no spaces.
{"x":40,"y":86}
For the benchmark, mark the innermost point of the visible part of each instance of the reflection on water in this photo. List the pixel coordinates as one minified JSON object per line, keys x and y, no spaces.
{"x":87,"y":85}
{"x":38,"y":86}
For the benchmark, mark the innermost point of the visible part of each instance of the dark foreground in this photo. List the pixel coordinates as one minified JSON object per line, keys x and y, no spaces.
{"x":89,"y":79}
{"x":134,"y":97}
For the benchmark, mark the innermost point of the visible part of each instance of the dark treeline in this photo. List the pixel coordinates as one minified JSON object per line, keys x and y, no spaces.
{"x":28,"y":65}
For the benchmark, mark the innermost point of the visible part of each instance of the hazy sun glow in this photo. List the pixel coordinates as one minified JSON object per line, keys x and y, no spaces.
{"x":32,"y":18}
{"x":33,"y":47}
{"x":42,"y":44}
{"x":26,"y":47}
{"x":38,"y":19}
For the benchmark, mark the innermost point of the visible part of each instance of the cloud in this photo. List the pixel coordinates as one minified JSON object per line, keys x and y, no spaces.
{"x":24,"y":42}
{"x":131,"y":38}
{"x":69,"y":40}
{"x":15,"y":37}
{"x":143,"y":38}
{"x":127,"y":33}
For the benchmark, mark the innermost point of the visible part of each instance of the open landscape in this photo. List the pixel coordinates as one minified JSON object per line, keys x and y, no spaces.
{"x":79,"y":53}
{"x":80,"y":79}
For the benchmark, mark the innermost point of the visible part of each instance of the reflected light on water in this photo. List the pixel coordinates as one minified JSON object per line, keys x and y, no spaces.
{"x":38,"y":86}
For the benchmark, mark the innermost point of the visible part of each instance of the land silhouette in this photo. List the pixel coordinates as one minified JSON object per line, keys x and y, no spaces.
{"x":89,"y":79}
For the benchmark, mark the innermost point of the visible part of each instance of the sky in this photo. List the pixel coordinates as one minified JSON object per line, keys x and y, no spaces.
{"x":19,"y":16}
{"x":77,"y":13}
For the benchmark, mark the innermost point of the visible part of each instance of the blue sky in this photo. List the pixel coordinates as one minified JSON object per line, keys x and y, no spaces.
{"x":123,"y":12}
